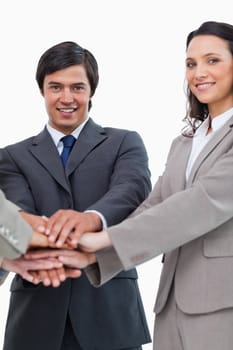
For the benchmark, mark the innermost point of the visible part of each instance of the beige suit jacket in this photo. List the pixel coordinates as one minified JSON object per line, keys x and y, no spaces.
{"x":15,"y":233}
{"x":191,"y":223}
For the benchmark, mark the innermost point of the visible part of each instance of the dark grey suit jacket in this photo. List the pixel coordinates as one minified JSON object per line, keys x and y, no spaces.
{"x":107,"y":171}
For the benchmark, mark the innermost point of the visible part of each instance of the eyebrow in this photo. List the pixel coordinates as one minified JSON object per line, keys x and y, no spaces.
{"x":59,"y":83}
{"x":206,"y":55}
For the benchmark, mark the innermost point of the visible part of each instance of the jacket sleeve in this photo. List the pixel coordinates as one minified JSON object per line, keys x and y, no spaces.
{"x":204,"y":207}
{"x":15,"y":233}
{"x":129,"y":184}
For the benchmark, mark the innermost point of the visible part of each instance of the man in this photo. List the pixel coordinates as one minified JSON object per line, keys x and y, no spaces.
{"x":105,"y":178}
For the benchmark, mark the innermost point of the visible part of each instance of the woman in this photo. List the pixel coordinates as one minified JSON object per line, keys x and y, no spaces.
{"x":189,"y":214}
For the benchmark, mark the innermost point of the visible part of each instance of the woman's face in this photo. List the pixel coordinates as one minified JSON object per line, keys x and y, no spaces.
{"x":209,"y":72}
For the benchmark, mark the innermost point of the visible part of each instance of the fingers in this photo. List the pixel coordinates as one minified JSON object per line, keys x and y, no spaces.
{"x":45,"y":267}
{"x":70,"y":258}
{"x":53,"y":277}
{"x":44,"y":253}
{"x":37,"y":222}
{"x":69,"y":225}
{"x":78,"y":260}
{"x":38,"y":240}
{"x":64,"y":228}
{"x":88,"y":222}
{"x":42,"y":264}
{"x":73,"y":273}
{"x":30,"y":277}
{"x":60,"y":225}
{"x":35,"y":279}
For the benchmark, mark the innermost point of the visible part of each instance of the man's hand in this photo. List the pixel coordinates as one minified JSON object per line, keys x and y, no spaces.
{"x":39,"y":225}
{"x":23,"y":267}
{"x":69,"y":225}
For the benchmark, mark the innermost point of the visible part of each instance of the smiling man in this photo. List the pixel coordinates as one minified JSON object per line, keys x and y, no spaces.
{"x":88,"y":177}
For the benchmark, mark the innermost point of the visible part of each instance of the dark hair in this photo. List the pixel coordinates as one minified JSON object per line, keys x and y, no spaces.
{"x":64,"y":55}
{"x":196,"y":111}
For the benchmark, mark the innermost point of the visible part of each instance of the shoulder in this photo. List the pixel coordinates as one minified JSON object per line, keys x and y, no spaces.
{"x":25,"y":143}
{"x":110,"y":130}
{"x":180,"y":140}
{"x":121,"y":132}
{"x":17,"y":148}
{"x":114,"y":134}
{"x":20,"y":143}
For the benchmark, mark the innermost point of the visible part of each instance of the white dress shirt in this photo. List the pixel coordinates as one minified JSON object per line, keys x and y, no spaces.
{"x":201,"y":137}
{"x":57,"y":135}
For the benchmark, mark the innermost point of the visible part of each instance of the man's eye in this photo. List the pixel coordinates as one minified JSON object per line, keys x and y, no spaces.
{"x":78,"y":87}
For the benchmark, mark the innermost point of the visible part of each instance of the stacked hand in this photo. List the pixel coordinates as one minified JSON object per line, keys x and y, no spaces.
{"x":60,"y":235}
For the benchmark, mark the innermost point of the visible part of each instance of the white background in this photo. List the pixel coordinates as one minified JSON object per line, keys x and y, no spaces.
{"x":140,"y":48}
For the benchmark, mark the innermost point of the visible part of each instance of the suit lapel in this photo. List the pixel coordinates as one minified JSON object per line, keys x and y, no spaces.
{"x":44,"y":149}
{"x":178,"y":163}
{"x":91,"y":135}
{"x":209,"y":147}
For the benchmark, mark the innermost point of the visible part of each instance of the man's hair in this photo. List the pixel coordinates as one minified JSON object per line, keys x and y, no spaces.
{"x":64,"y":55}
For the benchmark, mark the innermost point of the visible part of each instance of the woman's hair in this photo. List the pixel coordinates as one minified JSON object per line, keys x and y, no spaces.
{"x":197,"y":112}
{"x":64,"y":55}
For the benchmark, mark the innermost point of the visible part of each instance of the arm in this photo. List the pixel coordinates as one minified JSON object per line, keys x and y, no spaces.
{"x":127,"y":185}
{"x":15,"y":233}
{"x":184,"y":216}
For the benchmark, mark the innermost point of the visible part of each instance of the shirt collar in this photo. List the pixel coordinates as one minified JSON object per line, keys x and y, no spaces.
{"x":216,"y":123}
{"x":57,"y":135}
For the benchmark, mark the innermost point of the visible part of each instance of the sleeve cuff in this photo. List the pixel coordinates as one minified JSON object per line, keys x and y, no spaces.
{"x":102,"y":218}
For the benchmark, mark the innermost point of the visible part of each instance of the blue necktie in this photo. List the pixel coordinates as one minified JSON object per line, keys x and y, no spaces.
{"x":68,"y":142}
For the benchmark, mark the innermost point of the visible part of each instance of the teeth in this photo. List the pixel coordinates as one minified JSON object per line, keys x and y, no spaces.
{"x":204,"y":86}
{"x":67,"y":110}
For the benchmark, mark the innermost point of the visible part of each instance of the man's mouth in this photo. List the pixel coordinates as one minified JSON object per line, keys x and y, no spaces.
{"x":67,"y":110}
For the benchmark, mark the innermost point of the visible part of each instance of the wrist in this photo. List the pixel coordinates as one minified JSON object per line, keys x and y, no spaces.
{"x":3,"y":267}
{"x":95,"y":221}
{"x":91,"y":258}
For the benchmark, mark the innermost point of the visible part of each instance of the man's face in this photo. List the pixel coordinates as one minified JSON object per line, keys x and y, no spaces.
{"x":67,"y":93}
